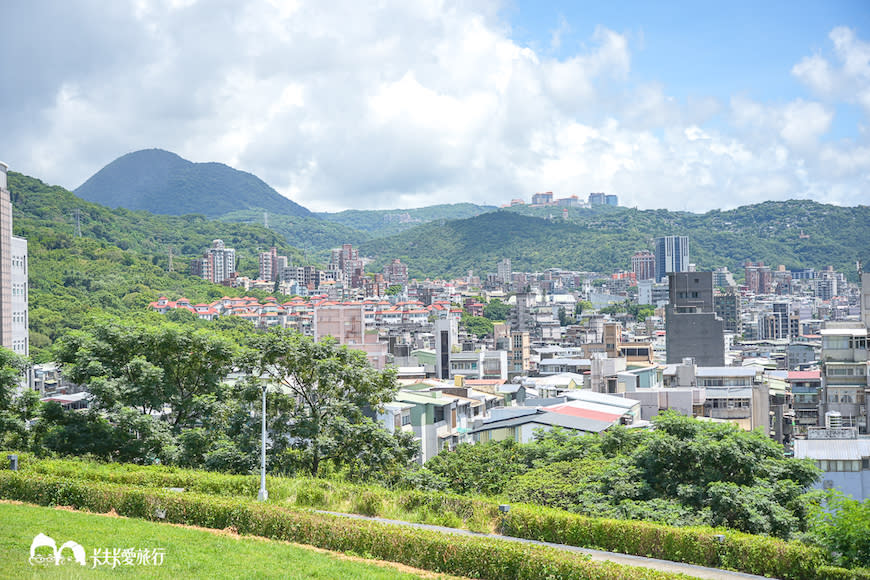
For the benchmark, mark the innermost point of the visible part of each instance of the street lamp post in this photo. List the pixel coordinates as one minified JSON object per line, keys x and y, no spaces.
{"x":263,"y":495}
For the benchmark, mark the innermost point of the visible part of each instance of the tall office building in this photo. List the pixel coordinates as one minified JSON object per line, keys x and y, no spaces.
{"x":672,"y":255}
{"x":14,"y":286}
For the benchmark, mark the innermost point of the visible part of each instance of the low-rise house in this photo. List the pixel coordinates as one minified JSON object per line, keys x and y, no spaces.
{"x":843,"y":458}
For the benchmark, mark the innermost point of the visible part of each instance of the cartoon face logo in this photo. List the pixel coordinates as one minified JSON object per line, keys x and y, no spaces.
{"x":56,"y":557}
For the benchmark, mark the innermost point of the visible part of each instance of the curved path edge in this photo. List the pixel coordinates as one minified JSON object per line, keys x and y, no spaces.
{"x":692,"y":570}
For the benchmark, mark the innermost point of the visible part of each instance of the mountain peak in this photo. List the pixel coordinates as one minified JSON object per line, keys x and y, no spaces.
{"x":163,"y":182}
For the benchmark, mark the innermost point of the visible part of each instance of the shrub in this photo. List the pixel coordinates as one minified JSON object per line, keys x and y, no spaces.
{"x":446,"y":553}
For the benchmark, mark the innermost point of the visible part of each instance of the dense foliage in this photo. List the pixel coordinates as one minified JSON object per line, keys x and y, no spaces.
{"x":163,"y":183}
{"x":604,"y":241}
{"x":120,"y":263}
{"x":380,"y":223}
{"x":842,"y":525}
{"x":472,"y":557}
{"x":167,"y":391}
{"x":684,"y":472}
{"x":705,"y":546}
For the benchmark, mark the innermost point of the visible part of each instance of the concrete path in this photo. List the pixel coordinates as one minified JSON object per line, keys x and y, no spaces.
{"x":625,"y":559}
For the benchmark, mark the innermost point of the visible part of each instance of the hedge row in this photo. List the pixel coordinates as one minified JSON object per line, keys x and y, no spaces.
{"x":835,"y":573}
{"x":467,"y":556}
{"x":711,"y":547}
{"x":703,"y":546}
{"x":446,"y":509}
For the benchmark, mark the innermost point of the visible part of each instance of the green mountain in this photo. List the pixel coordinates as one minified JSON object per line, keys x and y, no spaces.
{"x":793,"y":233}
{"x":163,"y":183}
{"x":381,"y":223}
{"x":121,"y":261}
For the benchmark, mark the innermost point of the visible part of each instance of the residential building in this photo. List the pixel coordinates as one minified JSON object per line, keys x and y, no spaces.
{"x":652,"y":293}
{"x":597,"y":199}
{"x":865,"y":299}
{"x":806,"y":389}
{"x":396,"y":272}
{"x":611,"y":199}
{"x":757,"y":277}
{"x":643,"y":264}
{"x":346,"y":323}
{"x":347,"y":266}
{"x":545,"y":198}
{"x":727,"y":306}
{"x":845,"y":372}
{"x":504,"y":271}
{"x":217,"y":265}
{"x":446,"y":337}
{"x":272,"y":265}
{"x":14,"y":284}
{"x":519,"y":353}
{"x":843,"y":457}
{"x":692,"y":328}
{"x":672,"y":255}
{"x":482,"y":364}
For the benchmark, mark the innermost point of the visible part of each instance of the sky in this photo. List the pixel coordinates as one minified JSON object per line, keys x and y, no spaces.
{"x":387,"y":104}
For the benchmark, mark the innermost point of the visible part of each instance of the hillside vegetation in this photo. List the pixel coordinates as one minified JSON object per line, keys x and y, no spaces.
{"x":164,"y":183}
{"x":605,"y":240}
{"x":120,"y":263}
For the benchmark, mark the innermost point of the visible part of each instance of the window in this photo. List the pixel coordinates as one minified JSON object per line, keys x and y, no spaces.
{"x":406,"y":419}
{"x":835,"y":342}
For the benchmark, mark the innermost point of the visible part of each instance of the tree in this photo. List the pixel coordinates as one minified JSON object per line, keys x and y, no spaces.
{"x":842,"y":525}
{"x":11,"y":367}
{"x":477,"y":325}
{"x":15,"y":410}
{"x":326,"y":388}
{"x":394,"y":289}
{"x":148,"y":365}
{"x":564,"y":319}
{"x":496,"y":310}
{"x":583,"y":306}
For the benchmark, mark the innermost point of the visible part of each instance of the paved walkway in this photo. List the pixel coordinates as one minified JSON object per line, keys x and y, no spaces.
{"x":625,"y":559}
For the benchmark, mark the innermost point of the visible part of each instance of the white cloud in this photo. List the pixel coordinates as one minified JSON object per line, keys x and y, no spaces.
{"x":408,"y":103}
{"x":850,"y":81}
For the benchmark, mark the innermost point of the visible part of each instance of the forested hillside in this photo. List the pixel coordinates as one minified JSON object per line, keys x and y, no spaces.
{"x":385,"y":222}
{"x":794,"y":233}
{"x":120,"y":263}
{"x":163,"y":183}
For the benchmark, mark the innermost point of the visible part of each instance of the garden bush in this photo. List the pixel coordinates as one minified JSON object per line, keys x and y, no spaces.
{"x":468,"y":556}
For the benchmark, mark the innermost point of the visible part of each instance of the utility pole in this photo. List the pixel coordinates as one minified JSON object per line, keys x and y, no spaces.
{"x":78,"y":215}
{"x":170,"y":259}
{"x":266,"y":219}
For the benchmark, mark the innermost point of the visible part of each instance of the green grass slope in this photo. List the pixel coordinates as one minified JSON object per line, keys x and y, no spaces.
{"x":188,"y":553}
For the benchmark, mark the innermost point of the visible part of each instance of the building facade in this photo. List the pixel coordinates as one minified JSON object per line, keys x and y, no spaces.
{"x":692,"y":328}
{"x":672,"y":255}
{"x":643,"y":264}
{"x":217,"y":265}
{"x":14,"y":285}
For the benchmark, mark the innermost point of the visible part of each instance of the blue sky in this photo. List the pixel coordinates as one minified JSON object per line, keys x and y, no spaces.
{"x":698,"y":49}
{"x":348,"y":104}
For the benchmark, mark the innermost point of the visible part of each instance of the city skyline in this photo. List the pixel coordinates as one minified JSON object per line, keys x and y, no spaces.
{"x":677,"y":106}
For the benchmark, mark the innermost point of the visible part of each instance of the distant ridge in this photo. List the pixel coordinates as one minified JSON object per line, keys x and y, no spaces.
{"x":162,"y":182}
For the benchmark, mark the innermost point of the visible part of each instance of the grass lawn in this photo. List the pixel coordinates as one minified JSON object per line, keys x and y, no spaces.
{"x":189,"y":553}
